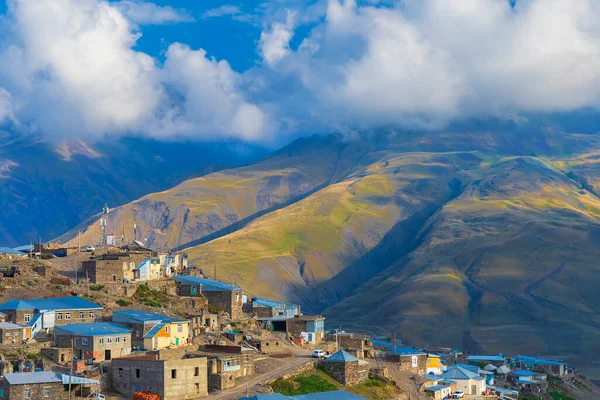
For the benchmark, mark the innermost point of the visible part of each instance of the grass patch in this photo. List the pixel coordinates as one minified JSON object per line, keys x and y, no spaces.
{"x":96,"y":288}
{"x":151,"y":298}
{"x":122,"y":303}
{"x":374,"y":389}
{"x":560,"y":396}
{"x":304,"y":384}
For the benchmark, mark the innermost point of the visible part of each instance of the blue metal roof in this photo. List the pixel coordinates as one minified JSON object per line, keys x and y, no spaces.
{"x":8,"y":250}
{"x":341,"y":356}
{"x":133,"y":316}
{"x":446,"y":381}
{"x":406,"y":351}
{"x":51,"y":304}
{"x":486,"y":358}
{"x":473,"y":368}
{"x":155,"y":329}
{"x":436,"y":388}
{"x":534,"y":360}
{"x":524,"y":373}
{"x":27,"y":247}
{"x":208,"y":285}
{"x":273,"y":303}
{"x":92,"y":329}
{"x":459,"y":373}
{"x":23,"y":378}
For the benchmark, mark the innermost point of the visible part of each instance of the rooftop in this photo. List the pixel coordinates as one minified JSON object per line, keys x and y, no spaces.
{"x":459,"y":373}
{"x":486,"y":358}
{"x":405,"y":351}
{"x":341,"y":356}
{"x":22,"y":378}
{"x":208,"y":285}
{"x":93,"y":329}
{"x":51,"y":304}
{"x":521,"y":372}
{"x":272,"y":303}
{"x":9,"y":325}
{"x":155,"y":329}
{"x":142,"y":316}
{"x":536,"y":361}
{"x":8,"y":250}
{"x":436,"y":388}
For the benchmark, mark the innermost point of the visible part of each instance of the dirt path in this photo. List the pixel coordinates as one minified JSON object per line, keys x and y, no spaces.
{"x":255,"y":381}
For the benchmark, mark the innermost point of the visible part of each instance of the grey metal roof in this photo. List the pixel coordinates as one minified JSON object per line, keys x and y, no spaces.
{"x":341,"y":356}
{"x":22,"y":378}
{"x":10,"y":325}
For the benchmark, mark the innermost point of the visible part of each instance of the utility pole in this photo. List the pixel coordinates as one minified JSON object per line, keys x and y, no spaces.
{"x":87,"y":278}
{"x":337,"y":343}
{"x":78,"y":241}
{"x":215,"y":268}
{"x":71,"y":370}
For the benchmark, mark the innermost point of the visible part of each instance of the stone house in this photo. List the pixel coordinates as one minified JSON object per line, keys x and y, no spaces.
{"x":154,"y":331}
{"x":95,"y":342}
{"x":47,"y":313}
{"x":353,"y":343}
{"x":223,"y":296}
{"x":409,"y":359}
{"x":59,"y":355}
{"x":438,"y":392}
{"x":267,"y":346}
{"x":31,"y":386}
{"x":345,"y":368}
{"x":309,"y":327}
{"x":112,"y":268}
{"x":265,"y":308}
{"x":171,"y":379}
{"x":226,"y":363}
{"x":13,"y":334}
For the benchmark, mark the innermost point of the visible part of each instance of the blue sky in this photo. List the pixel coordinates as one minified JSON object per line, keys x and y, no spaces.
{"x":267,"y":71}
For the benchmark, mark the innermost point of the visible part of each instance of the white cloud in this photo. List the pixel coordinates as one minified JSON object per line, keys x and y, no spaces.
{"x":145,"y":13}
{"x":222,"y":11}
{"x":275,"y":43}
{"x":6,"y":106}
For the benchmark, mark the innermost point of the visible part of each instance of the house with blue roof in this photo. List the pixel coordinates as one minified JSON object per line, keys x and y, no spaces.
{"x":265,"y":308}
{"x":408,"y":358}
{"x":94,"y":342}
{"x":223,"y":296}
{"x":47,"y":313}
{"x":544,"y":365}
{"x":497,"y":361}
{"x":345,"y":368}
{"x":466,"y":380}
{"x":153,"y":331}
{"x":438,"y":392}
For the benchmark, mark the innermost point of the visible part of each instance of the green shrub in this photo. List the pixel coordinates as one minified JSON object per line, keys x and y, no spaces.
{"x":46,"y":256}
{"x":60,"y":287}
{"x":151,"y":303}
{"x":123,"y":303}
{"x":96,"y":288}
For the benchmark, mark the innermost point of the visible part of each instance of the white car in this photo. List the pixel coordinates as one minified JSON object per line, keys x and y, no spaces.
{"x":319,"y":354}
{"x":459,"y":394}
{"x":89,"y":248}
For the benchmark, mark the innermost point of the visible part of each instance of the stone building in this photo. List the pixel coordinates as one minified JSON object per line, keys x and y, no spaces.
{"x":226,"y":364}
{"x":13,"y":334}
{"x":31,"y":386}
{"x":222,"y":296}
{"x":47,"y":313}
{"x":154,"y":331}
{"x":409,"y":359}
{"x":265,"y":308}
{"x":59,"y":355}
{"x":345,"y":368}
{"x":267,"y":346}
{"x":310,"y":327}
{"x":353,"y":343}
{"x":97,"y":342}
{"x":112,"y":268}
{"x":171,"y":379}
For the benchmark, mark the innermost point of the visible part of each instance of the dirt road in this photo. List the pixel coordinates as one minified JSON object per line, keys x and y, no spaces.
{"x":255,"y":381}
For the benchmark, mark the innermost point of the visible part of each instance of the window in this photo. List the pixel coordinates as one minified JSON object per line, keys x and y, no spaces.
{"x":168,"y":329}
{"x":197,"y":371}
{"x":173,"y":374}
{"x":68,"y":315}
{"x":59,"y":316}
{"x":237,"y":297}
{"x":7,"y":334}
{"x":46,"y":392}
{"x":91,"y":315}
{"x":180,"y":328}
{"x":81,"y":315}
{"x":138,"y":373}
{"x":109,"y":340}
{"x":124,"y":339}
{"x":84,"y":341}
{"x":120,"y":372}
{"x":101,"y":341}
{"x":117,"y":339}
{"x":27,"y":317}
{"x":27,"y":393}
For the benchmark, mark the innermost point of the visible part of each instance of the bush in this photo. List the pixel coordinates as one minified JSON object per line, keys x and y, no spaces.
{"x":123,"y":303}
{"x":46,"y":256}
{"x":303,"y":384}
{"x":151,"y":303}
{"x":96,"y":288}
{"x":60,"y":288}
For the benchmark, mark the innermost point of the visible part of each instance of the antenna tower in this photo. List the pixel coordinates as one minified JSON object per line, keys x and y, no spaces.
{"x":103,"y":222}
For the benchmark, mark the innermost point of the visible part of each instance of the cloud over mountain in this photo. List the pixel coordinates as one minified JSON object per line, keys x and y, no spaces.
{"x":72,"y":67}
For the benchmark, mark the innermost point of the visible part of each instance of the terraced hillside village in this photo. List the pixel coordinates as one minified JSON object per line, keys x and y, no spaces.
{"x":483,"y":241}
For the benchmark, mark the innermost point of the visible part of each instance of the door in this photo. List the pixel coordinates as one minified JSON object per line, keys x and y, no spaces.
{"x":473,"y":389}
{"x":177,"y":341}
{"x":107,"y":355}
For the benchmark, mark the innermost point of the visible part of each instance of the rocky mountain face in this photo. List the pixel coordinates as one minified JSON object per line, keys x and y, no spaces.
{"x":486,"y":241}
{"x":48,"y":188}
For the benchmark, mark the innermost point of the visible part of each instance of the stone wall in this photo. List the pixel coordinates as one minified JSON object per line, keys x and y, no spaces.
{"x":230,"y":302}
{"x":96,"y":346}
{"x":59,"y":355}
{"x":309,"y":366}
{"x":268,"y":346}
{"x":357,"y":345}
{"x":67,"y":317}
{"x":263,"y":312}
{"x":36,"y":390}
{"x":346,"y":373}
{"x":11,"y":336}
{"x":406,"y":364}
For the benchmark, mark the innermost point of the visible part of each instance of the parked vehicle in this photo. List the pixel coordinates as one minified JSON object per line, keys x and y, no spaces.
{"x":98,"y":396}
{"x":459,"y":394}
{"x":9,"y":272}
{"x":89,"y":247}
{"x":319,"y":353}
